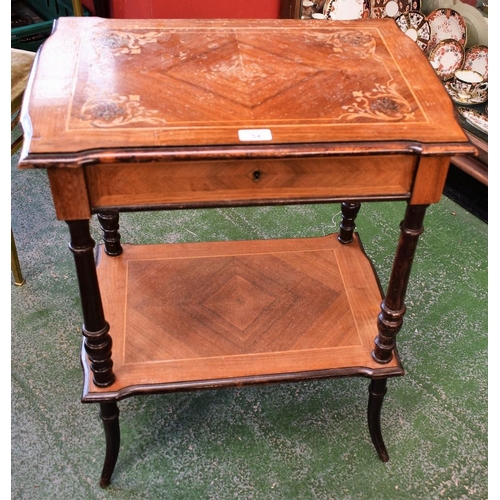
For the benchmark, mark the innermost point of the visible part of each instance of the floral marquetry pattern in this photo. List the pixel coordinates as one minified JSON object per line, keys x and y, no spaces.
{"x":382,"y":103}
{"x":173,"y":84}
{"x":116,"y":110}
{"x":354,"y":42}
{"x":120,"y":42}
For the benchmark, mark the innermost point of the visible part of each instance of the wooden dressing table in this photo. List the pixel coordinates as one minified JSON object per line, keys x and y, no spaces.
{"x":130,"y":115}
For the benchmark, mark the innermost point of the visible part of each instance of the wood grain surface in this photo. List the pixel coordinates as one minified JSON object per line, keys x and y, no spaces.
{"x":199,"y":312}
{"x":103,"y":84}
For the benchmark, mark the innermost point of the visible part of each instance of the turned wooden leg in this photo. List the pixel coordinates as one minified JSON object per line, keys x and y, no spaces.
{"x":109,"y":416}
{"x":377,"y":392}
{"x":347,"y":224}
{"x":95,"y":328}
{"x":109,"y":222}
{"x":392,"y":308}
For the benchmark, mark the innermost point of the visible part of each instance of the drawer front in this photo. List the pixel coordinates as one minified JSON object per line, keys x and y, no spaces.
{"x":205,"y":183}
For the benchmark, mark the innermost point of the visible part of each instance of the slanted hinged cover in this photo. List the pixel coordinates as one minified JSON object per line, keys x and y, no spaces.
{"x":112,"y":83}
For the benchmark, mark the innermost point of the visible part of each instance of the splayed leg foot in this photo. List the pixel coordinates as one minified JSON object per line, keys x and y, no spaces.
{"x":377,"y":390}
{"x":109,"y":416}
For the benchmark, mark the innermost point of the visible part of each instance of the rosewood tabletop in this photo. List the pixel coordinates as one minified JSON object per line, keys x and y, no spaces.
{"x":104,"y":84}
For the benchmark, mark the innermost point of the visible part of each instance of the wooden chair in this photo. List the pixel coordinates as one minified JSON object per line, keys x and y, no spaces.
{"x":77,"y":7}
{"x":21,"y":62}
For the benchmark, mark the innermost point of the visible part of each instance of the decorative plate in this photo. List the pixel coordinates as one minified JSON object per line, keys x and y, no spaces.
{"x":343,"y":10}
{"x":468,"y":101}
{"x":307,"y":9}
{"x":393,"y":8}
{"x":446,"y":57}
{"x":414,"y":25}
{"x":446,"y":24}
{"x":318,"y":15}
{"x":476,"y":59}
{"x":475,"y":118}
{"x":477,"y":25}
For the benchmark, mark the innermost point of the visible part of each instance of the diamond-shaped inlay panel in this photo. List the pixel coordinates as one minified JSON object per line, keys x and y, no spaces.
{"x":234,"y":77}
{"x":230,"y":305}
{"x":249,"y":75}
{"x":239,"y":302}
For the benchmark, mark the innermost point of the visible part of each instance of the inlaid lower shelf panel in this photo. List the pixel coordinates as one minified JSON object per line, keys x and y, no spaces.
{"x":223,"y":313}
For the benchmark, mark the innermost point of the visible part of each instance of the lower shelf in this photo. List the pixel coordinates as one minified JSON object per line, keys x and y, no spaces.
{"x":200,"y":315}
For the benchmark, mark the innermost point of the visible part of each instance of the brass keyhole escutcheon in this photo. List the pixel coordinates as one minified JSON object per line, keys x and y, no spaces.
{"x":256,"y":175}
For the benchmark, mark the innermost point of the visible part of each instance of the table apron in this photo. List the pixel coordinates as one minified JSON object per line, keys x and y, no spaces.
{"x":80,"y":191}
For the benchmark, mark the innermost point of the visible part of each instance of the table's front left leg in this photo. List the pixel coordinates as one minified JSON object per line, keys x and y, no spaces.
{"x":95,"y":327}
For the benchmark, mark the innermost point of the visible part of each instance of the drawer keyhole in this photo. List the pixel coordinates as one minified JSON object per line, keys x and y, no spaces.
{"x":256,"y":175}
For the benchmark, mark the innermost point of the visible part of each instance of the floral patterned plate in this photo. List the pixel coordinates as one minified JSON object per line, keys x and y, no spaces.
{"x":446,"y":57}
{"x":346,"y":9}
{"x":475,"y":118}
{"x":476,"y":59}
{"x":414,"y":25}
{"x":446,"y":24}
{"x":393,"y":8}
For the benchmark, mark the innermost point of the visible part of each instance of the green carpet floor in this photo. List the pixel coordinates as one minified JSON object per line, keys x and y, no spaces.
{"x":294,"y":441}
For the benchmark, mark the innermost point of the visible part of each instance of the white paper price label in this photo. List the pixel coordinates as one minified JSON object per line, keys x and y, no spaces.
{"x":259,"y":134}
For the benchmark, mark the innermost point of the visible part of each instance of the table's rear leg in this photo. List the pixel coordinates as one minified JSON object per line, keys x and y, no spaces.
{"x":347,"y":224}
{"x":378,"y":388}
{"x":109,"y":416}
{"x":109,"y":222}
{"x":377,"y":391}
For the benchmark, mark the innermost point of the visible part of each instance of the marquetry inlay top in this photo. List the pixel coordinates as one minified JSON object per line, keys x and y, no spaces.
{"x":157,"y":83}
